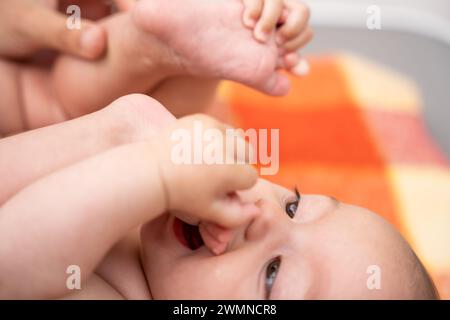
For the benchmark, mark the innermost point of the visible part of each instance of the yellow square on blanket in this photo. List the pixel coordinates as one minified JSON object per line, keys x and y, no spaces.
{"x":355,"y":121}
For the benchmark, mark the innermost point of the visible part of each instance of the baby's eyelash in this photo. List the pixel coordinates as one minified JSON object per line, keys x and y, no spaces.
{"x":297,"y":193}
{"x":291,"y":206}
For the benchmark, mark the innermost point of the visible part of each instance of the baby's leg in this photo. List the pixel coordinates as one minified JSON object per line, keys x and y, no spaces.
{"x":186,"y":94}
{"x":210,"y":40}
{"x":29,"y":156}
{"x":135,"y":62}
{"x":26,"y":100}
{"x":164,"y":39}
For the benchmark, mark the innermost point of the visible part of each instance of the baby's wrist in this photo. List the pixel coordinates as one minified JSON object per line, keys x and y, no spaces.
{"x":163,"y":179}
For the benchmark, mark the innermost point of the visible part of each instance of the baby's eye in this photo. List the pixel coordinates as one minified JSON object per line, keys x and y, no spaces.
{"x":271,"y":274}
{"x":292,"y":206}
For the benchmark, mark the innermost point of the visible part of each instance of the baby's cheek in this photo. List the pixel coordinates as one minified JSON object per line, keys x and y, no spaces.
{"x":197,"y":279}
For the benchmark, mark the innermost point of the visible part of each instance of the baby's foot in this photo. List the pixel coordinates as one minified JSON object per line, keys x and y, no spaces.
{"x":209,"y":40}
{"x":289,"y":20}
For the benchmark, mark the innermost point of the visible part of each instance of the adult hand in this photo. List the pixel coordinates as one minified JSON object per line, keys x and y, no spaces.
{"x":27,"y":26}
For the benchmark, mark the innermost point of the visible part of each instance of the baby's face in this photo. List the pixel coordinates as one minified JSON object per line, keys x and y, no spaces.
{"x":315,"y":248}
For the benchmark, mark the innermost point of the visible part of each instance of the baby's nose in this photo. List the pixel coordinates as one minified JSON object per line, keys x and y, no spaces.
{"x":220,"y":240}
{"x":263,"y":223}
{"x":266,"y":228}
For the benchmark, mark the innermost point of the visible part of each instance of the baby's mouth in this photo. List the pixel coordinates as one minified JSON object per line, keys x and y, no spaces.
{"x":188,"y":235}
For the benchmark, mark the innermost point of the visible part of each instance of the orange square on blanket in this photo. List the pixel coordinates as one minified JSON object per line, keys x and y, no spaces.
{"x":403,"y":139}
{"x":324,"y":86}
{"x":334,"y":136}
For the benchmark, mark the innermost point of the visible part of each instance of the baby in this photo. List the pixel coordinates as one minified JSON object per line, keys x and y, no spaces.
{"x":140,"y":226}
{"x":121,"y":210}
{"x":175,"y":51}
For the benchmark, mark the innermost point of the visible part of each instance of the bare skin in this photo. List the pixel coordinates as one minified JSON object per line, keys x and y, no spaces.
{"x":188,"y":94}
{"x":151,"y":153}
{"x":140,"y":59}
{"x":159,"y":49}
{"x":27,"y":26}
{"x":321,"y":247}
{"x":128,"y":120}
{"x":126,"y":158}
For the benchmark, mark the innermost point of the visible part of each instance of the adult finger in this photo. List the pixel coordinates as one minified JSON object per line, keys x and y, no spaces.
{"x":70,"y":34}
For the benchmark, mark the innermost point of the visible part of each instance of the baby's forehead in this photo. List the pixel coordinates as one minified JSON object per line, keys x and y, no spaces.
{"x":272,"y":187}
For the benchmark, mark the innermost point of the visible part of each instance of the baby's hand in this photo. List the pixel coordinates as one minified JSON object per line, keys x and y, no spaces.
{"x":289,"y":19}
{"x":195,"y":190}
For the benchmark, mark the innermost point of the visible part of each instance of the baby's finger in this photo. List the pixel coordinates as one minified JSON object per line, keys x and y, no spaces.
{"x":270,"y":16}
{"x":252,"y":12}
{"x":298,"y":42}
{"x":215,"y":237}
{"x":232,"y":213}
{"x":296,"y":22}
{"x":219,"y":233}
{"x":235,"y":177}
{"x":237,"y":149}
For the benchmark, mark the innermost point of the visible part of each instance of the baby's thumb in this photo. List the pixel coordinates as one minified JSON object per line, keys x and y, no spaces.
{"x":233,"y":213}
{"x":215,"y":238}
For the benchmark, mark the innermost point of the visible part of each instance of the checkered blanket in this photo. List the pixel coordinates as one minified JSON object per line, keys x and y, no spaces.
{"x":353,"y":130}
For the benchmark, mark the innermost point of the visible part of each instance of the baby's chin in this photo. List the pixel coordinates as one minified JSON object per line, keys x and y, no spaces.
{"x":160,"y":254}
{"x":152,"y":251}
{"x":170,"y":267}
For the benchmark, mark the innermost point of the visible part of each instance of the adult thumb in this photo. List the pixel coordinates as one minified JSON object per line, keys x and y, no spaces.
{"x":70,"y":34}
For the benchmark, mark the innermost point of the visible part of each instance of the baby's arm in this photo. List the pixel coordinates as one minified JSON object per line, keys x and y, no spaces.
{"x":29,"y":156}
{"x":73,"y":217}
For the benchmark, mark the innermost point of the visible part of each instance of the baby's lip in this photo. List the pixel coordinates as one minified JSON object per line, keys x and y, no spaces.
{"x":188,"y":235}
{"x":193,"y":237}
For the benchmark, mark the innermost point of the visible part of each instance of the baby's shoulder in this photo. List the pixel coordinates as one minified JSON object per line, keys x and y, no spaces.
{"x":119,"y":275}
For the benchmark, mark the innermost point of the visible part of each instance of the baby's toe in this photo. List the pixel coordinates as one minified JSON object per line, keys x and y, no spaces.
{"x":299,"y":41}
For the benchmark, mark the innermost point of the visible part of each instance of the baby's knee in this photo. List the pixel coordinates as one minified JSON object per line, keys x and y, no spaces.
{"x":144,"y":115}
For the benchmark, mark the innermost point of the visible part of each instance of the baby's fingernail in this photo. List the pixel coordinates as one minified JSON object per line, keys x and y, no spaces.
{"x":261,"y":35}
{"x":302,"y":68}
